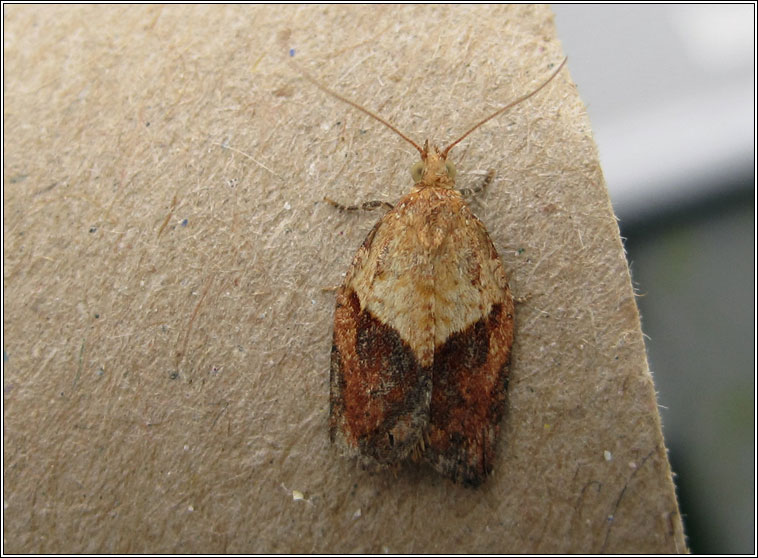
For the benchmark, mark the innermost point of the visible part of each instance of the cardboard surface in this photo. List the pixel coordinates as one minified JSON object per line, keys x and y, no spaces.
{"x":168,"y":259}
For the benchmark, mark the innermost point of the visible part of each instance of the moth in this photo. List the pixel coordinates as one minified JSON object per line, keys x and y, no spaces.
{"x":423,"y":329}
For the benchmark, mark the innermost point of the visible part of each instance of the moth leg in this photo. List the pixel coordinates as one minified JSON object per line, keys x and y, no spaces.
{"x":365,"y":206}
{"x":522,"y":299}
{"x":467,"y":192}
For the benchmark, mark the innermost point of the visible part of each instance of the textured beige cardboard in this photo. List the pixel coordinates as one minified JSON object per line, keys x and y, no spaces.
{"x":168,"y":259}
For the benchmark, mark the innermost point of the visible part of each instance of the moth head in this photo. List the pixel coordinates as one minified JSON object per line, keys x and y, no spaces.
{"x":433,"y":169}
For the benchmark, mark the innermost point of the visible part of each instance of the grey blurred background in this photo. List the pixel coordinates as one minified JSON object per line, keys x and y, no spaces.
{"x":670,"y":93}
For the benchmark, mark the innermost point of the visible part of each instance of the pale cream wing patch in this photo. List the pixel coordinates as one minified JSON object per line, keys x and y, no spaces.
{"x":395,"y":279}
{"x":431,"y":270}
{"x":469,"y":277}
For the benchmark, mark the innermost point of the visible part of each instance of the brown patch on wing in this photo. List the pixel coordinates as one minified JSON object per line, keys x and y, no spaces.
{"x":470,"y":377}
{"x":379,"y":392}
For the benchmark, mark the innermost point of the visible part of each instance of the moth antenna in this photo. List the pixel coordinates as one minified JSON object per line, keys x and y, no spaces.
{"x":506,"y":107}
{"x":353,"y":104}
